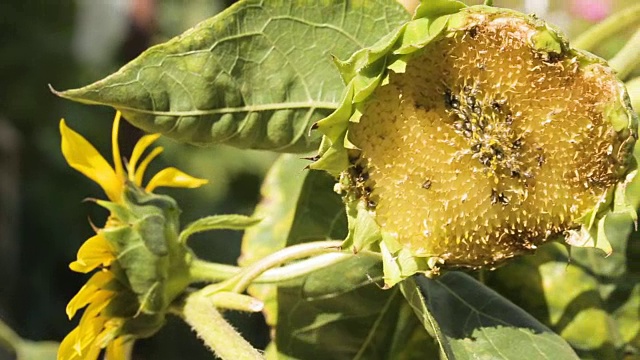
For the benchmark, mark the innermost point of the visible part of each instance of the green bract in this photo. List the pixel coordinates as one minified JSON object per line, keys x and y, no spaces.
{"x":152,"y":267}
{"x":474,"y":134}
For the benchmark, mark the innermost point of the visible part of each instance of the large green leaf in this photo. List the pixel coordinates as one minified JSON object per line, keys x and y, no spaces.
{"x":472,"y":321}
{"x":340,"y":313}
{"x":255,"y":76}
{"x":588,"y":299}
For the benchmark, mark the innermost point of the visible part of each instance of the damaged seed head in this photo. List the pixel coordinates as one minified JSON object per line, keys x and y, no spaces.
{"x":487,"y":144}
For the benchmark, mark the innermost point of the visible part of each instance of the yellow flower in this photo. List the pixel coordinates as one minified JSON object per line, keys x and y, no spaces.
{"x":115,"y":297}
{"x":82,"y":156}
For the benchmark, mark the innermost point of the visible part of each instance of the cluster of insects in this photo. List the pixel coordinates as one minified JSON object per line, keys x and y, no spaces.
{"x":358,"y":181}
{"x":486,"y":125}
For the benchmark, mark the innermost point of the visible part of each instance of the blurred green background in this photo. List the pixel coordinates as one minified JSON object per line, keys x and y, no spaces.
{"x":43,"y":220}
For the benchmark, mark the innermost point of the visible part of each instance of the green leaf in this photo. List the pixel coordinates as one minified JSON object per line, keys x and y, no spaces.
{"x":590,"y":300}
{"x":472,"y":321}
{"x":233,"y":222}
{"x":255,"y":76}
{"x":339,"y":313}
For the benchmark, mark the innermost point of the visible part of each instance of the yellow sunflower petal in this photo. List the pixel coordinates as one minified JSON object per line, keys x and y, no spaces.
{"x":117,"y":160}
{"x":82,"y":156}
{"x":92,"y":322}
{"x":110,"y":331}
{"x":173,"y":177}
{"x":139,"y":174}
{"x":88,"y":292}
{"x":94,"y":252}
{"x":140,"y":147}
{"x":78,"y":346}
{"x":66,"y":349}
{"x":85,"y":345}
{"x":119,"y":349}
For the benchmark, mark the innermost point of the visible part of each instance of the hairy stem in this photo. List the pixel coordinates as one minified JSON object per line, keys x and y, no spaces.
{"x":215,"y":331}
{"x":8,"y":338}
{"x":628,"y":58}
{"x":243,"y":279}
{"x":607,"y":28}
{"x":633,"y":87}
{"x":212,"y":272}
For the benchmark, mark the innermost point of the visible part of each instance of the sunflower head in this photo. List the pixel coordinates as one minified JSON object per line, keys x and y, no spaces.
{"x":474,"y":134}
{"x":142,"y":266}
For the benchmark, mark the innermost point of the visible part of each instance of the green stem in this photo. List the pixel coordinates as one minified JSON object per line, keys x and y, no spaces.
{"x":8,"y":338}
{"x":628,"y":58}
{"x":204,"y":271}
{"x":239,"y":282}
{"x":210,"y":272}
{"x":215,"y":331}
{"x":599,"y":33}
{"x":633,"y":87}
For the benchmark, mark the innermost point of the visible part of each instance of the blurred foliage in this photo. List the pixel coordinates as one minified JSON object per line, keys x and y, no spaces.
{"x":37,"y":49}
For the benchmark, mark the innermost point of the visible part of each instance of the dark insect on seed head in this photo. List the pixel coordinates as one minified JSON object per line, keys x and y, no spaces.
{"x":371,"y":204}
{"x":467,"y":133}
{"x":482,"y":123}
{"x":473,"y":31}
{"x":508,"y":119}
{"x":471,"y":100}
{"x":503,"y":199}
{"x":450,"y":100}
{"x":516,"y":144}
{"x":494,"y":196}
{"x":476,"y":147}
{"x":498,"y":197}
{"x":485,"y":159}
{"x":552,"y":57}
{"x":426,"y":184}
{"x":496,"y":106}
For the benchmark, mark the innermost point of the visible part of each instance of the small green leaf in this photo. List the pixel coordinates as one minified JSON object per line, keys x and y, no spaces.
{"x":435,"y":8}
{"x":255,"y":76}
{"x":232,"y":222}
{"x":472,"y":321}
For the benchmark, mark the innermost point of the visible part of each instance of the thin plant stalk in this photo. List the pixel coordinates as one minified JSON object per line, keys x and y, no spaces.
{"x":604,"y":30}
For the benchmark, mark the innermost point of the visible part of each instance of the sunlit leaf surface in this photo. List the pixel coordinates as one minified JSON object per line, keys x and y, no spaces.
{"x":255,"y":76}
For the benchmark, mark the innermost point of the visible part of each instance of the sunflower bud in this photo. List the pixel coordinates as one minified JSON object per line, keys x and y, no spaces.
{"x":474,"y":134}
{"x":153,"y":265}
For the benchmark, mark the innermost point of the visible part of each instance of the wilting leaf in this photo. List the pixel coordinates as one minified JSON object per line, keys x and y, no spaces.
{"x":472,"y":321}
{"x":255,"y":76}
